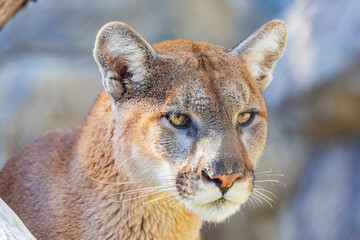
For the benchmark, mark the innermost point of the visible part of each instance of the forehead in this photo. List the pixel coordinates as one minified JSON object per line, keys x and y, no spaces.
{"x":208,"y":79}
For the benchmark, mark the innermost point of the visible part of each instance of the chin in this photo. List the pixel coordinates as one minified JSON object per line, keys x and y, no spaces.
{"x":213,"y":206}
{"x":216,"y":211}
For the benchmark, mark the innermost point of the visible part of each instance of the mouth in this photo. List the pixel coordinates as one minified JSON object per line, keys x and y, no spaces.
{"x":214,"y":206}
{"x":218,"y":202}
{"x":215,"y":211}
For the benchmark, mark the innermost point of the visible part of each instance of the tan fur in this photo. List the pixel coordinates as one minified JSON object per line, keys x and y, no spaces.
{"x":93,"y":182}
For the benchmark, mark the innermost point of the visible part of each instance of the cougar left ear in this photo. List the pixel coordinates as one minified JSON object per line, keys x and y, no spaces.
{"x":262,"y":50}
{"x":123,"y":57}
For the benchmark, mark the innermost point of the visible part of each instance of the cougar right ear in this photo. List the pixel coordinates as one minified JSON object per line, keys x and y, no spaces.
{"x":262,"y":50}
{"x":123,"y":56}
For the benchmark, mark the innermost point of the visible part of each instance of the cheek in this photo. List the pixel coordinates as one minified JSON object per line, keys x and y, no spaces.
{"x":254,"y":139}
{"x":171,"y":144}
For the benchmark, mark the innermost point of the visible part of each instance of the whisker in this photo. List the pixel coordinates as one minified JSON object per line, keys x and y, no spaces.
{"x":113,"y":183}
{"x":167,"y":195}
{"x":120,"y":165}
{"x":179,"y":198}
{"x":140,"y":189}
{"x":145,"y":192}
{"x":266,"y":201}
{"x":262,"y":189}
{"x":265,"y":196}
{"x":142,"y":196}
{"x":256,"y":198}
{"x":239,"y":210}
{"x":272,"y":183}
{"x":247,"y":203}
{"x":135,"y":191}
{"x":268,"y":176}
{"x":270,"y":180}
{"x":265,"y":172}
{"x":167,"y":180}
{"x":164,"y":187}
{"x":251,"y":201}
{"x":172,"y":200}
{"x":271,"y":175}
{"x":158,"y":190}
{"x":178,"y":204}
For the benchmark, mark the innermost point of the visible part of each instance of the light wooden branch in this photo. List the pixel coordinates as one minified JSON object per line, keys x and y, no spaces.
{"x":8,"y":8}
{"x":11,"y":227}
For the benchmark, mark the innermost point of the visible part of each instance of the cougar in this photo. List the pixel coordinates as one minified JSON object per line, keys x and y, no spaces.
{"x":171,"y":141}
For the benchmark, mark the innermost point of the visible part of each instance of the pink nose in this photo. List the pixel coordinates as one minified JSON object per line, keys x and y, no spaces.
{"x":226,"y":180}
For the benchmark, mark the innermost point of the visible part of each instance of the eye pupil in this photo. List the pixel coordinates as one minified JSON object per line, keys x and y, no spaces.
{"x":178,"y":120}
{"x":245,"y":118}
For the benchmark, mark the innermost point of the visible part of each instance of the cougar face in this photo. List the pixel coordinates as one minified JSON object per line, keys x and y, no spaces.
{"x":191,"y":115}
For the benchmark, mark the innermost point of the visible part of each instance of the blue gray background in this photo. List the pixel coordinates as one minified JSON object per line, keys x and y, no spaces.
{"x":49,"y":79}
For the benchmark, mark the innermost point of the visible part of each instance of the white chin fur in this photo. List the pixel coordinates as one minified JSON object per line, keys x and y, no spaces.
{"x":205,"y":206}
{"x":213,"y":212}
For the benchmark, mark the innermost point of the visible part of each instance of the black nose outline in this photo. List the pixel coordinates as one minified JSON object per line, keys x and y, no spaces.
{"x":219,"y":182}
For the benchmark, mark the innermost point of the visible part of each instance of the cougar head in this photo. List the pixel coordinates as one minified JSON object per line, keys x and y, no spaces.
{"x":190,"y":114}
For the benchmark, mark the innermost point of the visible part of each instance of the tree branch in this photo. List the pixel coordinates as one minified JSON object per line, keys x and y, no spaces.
{"x":8,"y":8}
{"x":11,"y":227}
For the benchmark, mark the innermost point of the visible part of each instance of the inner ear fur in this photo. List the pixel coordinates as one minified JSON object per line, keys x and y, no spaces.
{"x":262,"y":50}
{"x":123,"y":57}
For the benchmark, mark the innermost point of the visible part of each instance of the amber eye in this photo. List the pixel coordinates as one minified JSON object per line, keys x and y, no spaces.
{"x":178,"y":120}
{"x":245,"y":118}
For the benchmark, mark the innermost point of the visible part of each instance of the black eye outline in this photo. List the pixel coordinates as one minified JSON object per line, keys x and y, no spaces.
{"x":248,"y":122}
{"x":184,"y":125}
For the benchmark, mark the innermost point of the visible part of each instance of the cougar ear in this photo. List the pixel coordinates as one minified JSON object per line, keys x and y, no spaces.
{"x":123,"y":57}
{"x":262,"y":50}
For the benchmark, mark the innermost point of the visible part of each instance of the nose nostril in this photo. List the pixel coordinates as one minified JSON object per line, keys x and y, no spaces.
{"x":226,"y":180}
{"x":218,"y":182}
{"x":204,"y":174}
{"x":222,"y":181}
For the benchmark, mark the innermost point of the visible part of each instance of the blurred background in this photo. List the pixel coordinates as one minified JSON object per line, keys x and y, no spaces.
{"x":48,"y":79}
